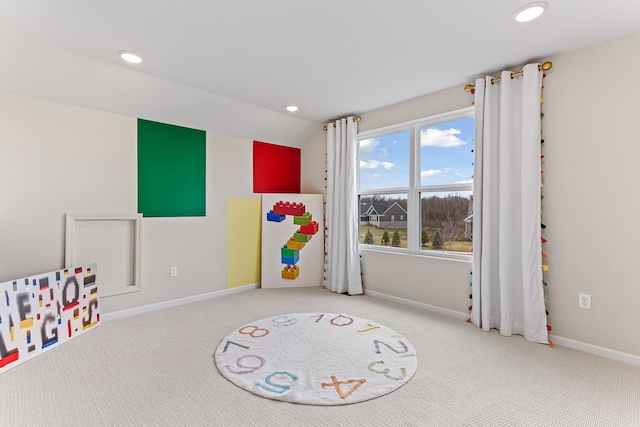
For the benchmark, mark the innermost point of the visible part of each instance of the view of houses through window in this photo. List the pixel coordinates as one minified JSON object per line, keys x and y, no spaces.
{"x":416,"y":184}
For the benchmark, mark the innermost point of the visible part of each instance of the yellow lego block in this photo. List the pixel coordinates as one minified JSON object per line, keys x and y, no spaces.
{"x":292,"y":244}
{"x":27,"y":323}
{"x":290,"y":272}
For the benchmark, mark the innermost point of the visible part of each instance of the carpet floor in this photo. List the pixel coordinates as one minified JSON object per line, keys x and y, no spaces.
{"x":158,"y":369}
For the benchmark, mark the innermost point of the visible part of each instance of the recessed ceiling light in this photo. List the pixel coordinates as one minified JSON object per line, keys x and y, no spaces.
{"x":131,"y":57}
{"x":530,"y":11}
{"x":291,"y":108}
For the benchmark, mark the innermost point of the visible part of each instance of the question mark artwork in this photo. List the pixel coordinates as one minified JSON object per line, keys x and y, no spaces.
{"x":292,"y":240}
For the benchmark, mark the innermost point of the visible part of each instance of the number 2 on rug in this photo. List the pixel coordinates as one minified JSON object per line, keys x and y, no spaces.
{"x":377,"y":344}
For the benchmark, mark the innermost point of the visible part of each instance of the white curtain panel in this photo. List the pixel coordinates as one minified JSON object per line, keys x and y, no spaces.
{"x":342,"y":266}
{"x":507,"y":250}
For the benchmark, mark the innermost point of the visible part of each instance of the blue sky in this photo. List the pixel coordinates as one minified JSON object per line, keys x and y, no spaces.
{"x":445,"y":156}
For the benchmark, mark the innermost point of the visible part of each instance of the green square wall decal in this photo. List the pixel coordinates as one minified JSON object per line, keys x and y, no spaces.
{"x":171,"y":170}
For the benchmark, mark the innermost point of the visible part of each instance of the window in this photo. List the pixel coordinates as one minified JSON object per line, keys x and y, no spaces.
{"x":422,"y":173}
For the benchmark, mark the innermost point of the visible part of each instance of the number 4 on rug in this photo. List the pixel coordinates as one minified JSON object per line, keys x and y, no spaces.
{"x":335,"y":383}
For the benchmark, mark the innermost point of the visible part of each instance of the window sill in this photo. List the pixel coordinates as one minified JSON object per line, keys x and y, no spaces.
{"x":441,"y":255}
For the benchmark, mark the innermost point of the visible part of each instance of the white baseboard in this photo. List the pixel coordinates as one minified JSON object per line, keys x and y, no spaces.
{"x":176,"y":302}
{"x":597,"y":350}
{"x":418,"y":305}
{"x":564,"y":342}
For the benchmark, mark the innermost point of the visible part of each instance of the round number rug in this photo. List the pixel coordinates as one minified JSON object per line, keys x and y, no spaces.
{"x":316,"y":358}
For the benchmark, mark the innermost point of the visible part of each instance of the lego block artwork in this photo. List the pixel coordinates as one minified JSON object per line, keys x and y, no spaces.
{"x":299,"y":237}
{"x":292,"y":244}
{"x":288,"y":208}
{"x":303,"y":219}
{"x":274,"y":217}
{"x":290,"y":257}
{"x":311,"y":228}
{"x":290,"y":272}
{"x":45,"y":310}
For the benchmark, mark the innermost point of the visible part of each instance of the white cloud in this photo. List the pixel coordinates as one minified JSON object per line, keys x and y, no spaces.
{"x":430,"y":173}
{"x":465,"y":181}
{"x":367,"y":146}
{"x":432,"y":137}
{"x":375,"y":164}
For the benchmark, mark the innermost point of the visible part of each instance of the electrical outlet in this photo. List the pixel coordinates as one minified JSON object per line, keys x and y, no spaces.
{"x":584,"y":301}
{"x":174,"y":271}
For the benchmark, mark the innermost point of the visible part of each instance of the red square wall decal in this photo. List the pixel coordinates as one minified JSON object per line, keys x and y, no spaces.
{"x":276,"y":168}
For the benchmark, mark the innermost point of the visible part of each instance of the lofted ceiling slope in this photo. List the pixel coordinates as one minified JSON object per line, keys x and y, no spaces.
{"x":232,"y":66}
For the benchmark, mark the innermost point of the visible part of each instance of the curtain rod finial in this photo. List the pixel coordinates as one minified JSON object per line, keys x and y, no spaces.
{"x":324,"y":128}
{"x":546,"y":66}
{"x":468,"y":87}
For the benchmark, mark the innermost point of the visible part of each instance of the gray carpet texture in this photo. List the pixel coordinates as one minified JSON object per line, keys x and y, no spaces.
{"x":158,"y":369}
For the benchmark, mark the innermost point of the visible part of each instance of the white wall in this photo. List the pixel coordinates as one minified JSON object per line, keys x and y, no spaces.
{"x":58,"y":159}
{"x":591,"y":177}
{"x":591,"y":174}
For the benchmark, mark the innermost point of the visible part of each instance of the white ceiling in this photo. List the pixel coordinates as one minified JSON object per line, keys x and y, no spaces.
{"x":232,"y":65}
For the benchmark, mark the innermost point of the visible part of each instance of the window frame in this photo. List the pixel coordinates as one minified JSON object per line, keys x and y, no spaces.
{"x":415,"y":189}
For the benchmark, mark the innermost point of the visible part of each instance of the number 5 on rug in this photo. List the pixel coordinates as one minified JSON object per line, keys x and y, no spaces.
{"x":282,"y":387}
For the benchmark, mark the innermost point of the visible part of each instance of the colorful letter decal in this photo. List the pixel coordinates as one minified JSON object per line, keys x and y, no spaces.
{"x":43,"y":311}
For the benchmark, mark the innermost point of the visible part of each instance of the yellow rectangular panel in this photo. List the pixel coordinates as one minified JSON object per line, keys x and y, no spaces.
{"x":244,"y":231}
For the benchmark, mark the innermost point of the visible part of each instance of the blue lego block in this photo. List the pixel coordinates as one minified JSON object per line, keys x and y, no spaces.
{"x":291,"y":260}
{"x":274,"y":217}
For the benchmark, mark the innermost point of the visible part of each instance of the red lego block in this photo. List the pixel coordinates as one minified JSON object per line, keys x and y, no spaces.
{"x":311,"y":228}
{"x":289,"y":208}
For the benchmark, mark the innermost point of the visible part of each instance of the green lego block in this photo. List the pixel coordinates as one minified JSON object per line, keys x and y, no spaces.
{"x":299,"y":237}
{"x":303,"y":219}
{"x":288,"y":252}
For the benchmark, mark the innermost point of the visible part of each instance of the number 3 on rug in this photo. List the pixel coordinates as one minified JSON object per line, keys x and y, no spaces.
{"x":386,"y":371}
